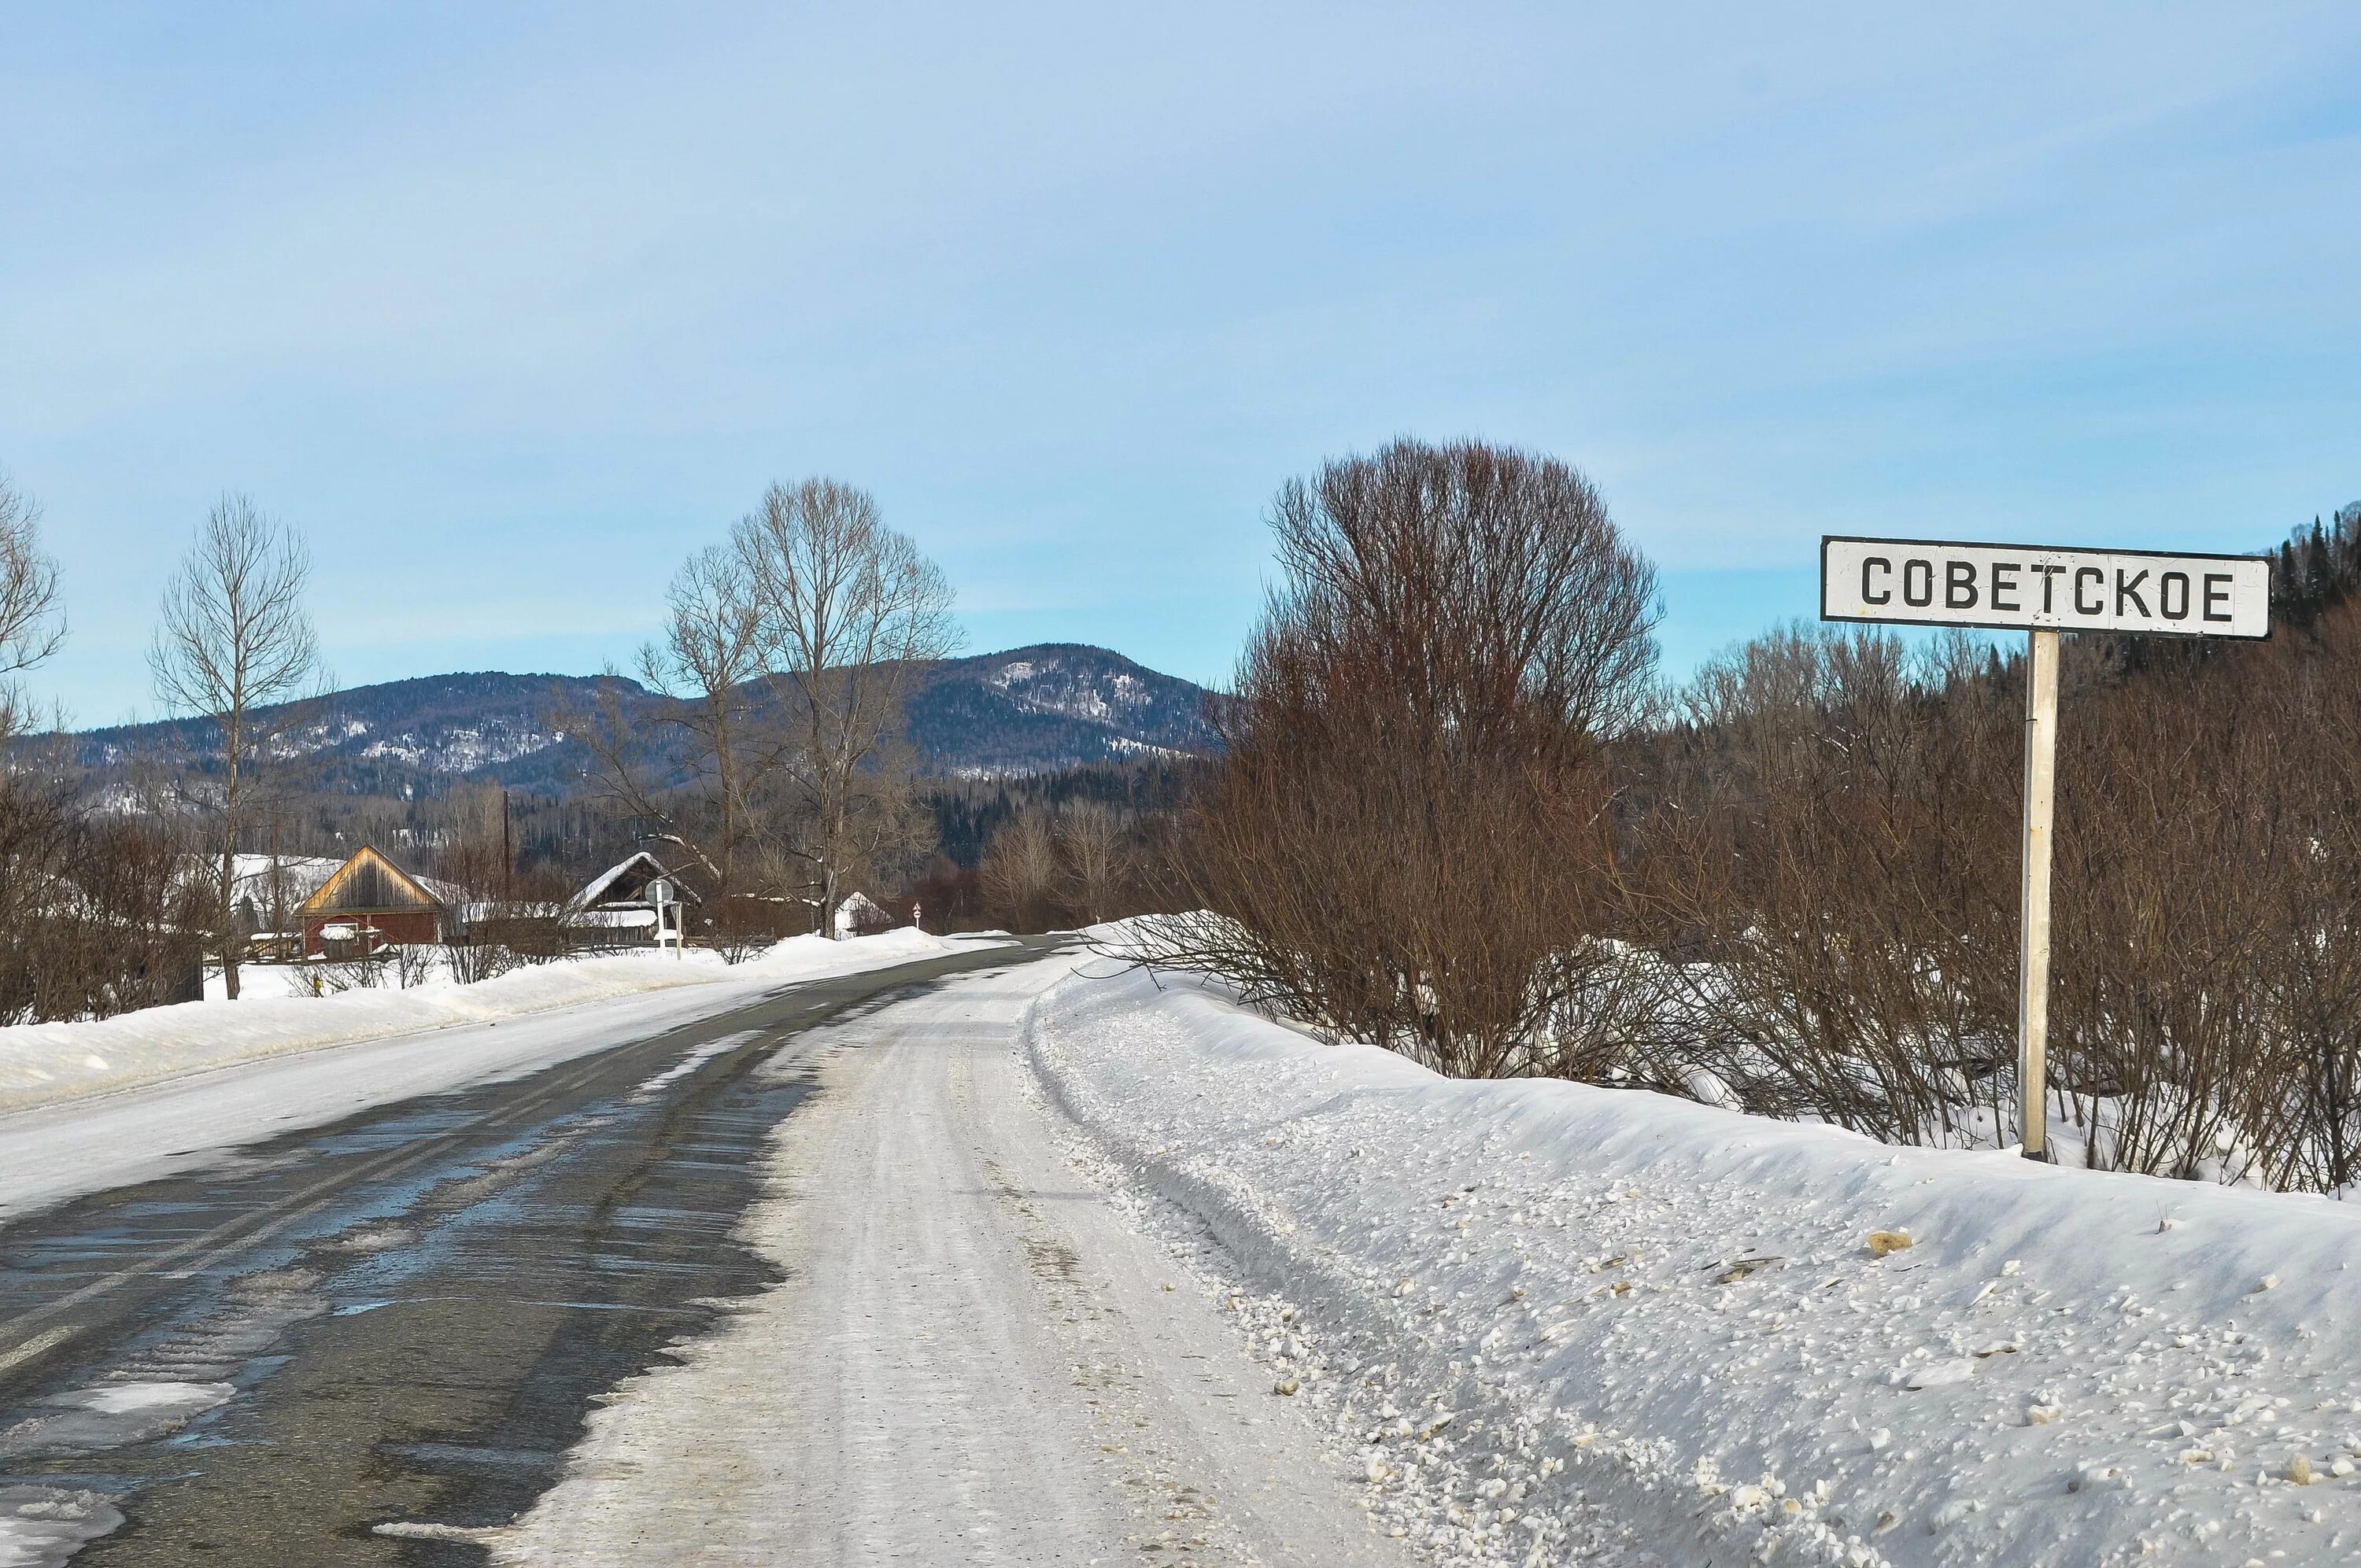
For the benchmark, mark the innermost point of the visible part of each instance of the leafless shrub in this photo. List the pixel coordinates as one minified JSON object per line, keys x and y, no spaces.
{"x":1828,"y":863}
{"x":1411,"y":837}
{"x":96,"y":916}
{"x":1829,"y":875}
{"x":472,"y":959}
{"x":413,"y":964}
{"x":347,"y":975}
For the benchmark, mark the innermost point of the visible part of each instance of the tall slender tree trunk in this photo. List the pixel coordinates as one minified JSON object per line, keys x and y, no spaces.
{"x":233,"y":733}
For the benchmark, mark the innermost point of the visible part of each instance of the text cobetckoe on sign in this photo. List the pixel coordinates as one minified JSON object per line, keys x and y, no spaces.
{"x":1918,"y":582}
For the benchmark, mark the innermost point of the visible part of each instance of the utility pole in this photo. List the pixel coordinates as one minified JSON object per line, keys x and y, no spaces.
{"x":277,"y":881}
{"x":508,"y":854}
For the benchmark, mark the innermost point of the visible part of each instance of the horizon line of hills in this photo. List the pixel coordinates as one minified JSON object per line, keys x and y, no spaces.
{"x":1043,"y":709}
{"x":1040,"y":708}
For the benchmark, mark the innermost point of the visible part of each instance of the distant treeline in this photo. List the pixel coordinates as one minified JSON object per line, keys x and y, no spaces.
{"x":969,"y":812}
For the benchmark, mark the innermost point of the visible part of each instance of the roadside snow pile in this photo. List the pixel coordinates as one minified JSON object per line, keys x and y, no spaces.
{"x":1554,"y":1323}
{"x":42,"y":1064}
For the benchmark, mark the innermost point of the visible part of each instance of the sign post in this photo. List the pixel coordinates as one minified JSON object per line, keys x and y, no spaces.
{"x":2043,"y":590}
{"x":2033,"y":925}
{"x":667,"y":911}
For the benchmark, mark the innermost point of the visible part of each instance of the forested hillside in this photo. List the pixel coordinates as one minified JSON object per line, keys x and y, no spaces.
{"x":1026,"y":710}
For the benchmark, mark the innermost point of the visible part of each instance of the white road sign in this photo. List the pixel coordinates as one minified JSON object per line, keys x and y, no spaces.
{"x":1922,"y":582}
{"x":2042,"y":590}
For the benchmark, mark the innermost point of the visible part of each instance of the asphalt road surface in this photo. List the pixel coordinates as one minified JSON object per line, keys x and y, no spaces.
{"x":403,"y":1314}
{"x":804,"y":1282}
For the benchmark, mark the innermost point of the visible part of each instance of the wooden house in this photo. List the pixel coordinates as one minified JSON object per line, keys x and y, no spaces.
{"x":617,"y":908}
{"x":370,"y":904}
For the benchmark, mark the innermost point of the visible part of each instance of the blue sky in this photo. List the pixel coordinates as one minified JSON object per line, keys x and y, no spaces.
{"x":510,"y":307}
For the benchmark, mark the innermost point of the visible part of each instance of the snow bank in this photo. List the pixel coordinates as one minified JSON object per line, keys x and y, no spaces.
{"x":1556,"y":1322}
{"x":42,"y":1064}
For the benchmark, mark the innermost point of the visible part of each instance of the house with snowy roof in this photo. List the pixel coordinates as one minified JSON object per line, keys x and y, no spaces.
{"x":369,"y":903}
{"x":630,"y":904}
{"x":267,"y":890}
{"x":860,"y":915}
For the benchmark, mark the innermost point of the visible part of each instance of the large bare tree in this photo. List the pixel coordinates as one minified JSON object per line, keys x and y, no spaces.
{"x":707,"y":663}
{"x":233,"y":638}
{"x":849,"y":612}
{"x":712,"y":723}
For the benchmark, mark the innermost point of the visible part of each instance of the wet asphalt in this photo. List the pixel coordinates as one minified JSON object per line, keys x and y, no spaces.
{"x":400,"y":1320}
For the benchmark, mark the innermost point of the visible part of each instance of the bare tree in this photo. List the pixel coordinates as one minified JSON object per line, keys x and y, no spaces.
{"x":31,"y":625}
{"x":1019,"y":873}
{"x":708,"y":664}
{"x":1098,"y":859}
{"x":233,"y":638}
{"x":849,"y":612}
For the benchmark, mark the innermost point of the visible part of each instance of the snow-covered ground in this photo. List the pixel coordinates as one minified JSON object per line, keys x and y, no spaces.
{"x":43,"y":1064}
{"x":1550,"y":1323}
{"x":1081,"y":1265}
{"x":215,"y":1081}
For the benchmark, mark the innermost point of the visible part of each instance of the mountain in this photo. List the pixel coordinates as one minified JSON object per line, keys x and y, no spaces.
{"x":1050,"y":706}
{"x":1022,"y":711}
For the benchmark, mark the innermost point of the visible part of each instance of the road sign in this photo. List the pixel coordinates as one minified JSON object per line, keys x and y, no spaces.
{"x":666,"y":900}
{"x":2008,"y":587}
{"x":2042,"y":590}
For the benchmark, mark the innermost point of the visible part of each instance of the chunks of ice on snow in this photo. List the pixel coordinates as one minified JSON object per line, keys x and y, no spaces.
{"x":1938,"y":1374}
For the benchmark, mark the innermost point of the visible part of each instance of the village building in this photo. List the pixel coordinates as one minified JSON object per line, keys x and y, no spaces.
{"x":620,"y":907}
{"x":370,"y":904}
{"x":859,"y":916}
{"x":266,"y":891}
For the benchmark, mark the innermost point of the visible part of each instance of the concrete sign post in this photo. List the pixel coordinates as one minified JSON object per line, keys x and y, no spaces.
{"x":2043,"y":590}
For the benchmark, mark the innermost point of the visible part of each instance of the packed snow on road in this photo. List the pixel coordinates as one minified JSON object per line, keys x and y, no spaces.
{"x":45,"y":1064}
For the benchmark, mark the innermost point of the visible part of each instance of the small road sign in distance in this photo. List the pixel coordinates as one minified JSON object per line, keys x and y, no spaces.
{"x":1921,"y":582}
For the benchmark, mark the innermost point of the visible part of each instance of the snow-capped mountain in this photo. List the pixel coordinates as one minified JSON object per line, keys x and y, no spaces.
{"x":1026,"y":710}
{"x":1051,"y":706}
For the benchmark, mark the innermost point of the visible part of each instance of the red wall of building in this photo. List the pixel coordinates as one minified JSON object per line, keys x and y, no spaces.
{"x":406,"y":928}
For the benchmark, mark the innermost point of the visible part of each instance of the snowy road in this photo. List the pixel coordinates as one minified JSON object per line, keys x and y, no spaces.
{"x":808,"y":1280}
{"x":973,"y":1360}
{"x":972,"y":1261}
